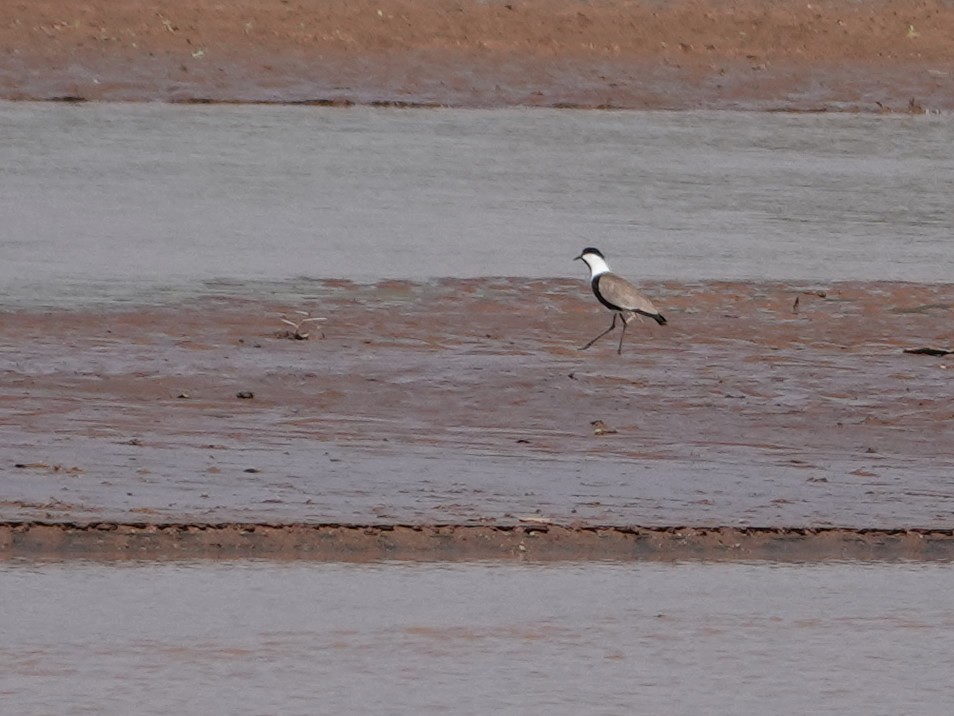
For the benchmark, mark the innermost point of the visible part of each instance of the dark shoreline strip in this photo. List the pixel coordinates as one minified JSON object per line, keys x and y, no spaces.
{"x":449,"y":542}
{"x":780,"y":107}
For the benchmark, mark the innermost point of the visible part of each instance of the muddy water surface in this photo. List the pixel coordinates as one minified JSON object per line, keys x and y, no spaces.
{"x":110,"y":201}
{"x":257,"y":637}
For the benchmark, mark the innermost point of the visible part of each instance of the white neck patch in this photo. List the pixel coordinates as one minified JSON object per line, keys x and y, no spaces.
{"x":596,"y":263}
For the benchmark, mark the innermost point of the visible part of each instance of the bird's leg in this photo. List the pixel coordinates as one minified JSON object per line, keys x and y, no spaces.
{"x":612,"y":326}
{"x":619,"y":350}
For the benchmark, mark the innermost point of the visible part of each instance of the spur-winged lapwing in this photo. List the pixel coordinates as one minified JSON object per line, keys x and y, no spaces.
{"x":617,"y":294}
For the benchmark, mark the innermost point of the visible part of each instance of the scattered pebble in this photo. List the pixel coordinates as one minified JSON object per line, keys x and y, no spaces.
{"x":601,"y":428}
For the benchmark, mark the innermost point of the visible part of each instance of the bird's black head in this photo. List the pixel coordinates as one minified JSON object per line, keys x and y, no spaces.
{"x":590,"y":250}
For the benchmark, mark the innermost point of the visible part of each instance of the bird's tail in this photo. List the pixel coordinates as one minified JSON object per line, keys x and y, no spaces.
{"x":660,"y":319}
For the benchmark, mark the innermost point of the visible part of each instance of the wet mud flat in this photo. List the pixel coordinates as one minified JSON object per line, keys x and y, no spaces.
{"x":465,"y":404}
{"x":687,"y":54}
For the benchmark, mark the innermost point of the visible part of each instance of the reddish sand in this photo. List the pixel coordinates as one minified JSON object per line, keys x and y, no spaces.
{"x":763,"y":54}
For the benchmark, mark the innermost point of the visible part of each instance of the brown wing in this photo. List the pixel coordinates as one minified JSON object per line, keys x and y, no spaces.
{"x":619,"y":294}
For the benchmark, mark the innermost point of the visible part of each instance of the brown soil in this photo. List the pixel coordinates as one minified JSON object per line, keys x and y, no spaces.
{"x":458,"y":542}
{"x":762,"y":54}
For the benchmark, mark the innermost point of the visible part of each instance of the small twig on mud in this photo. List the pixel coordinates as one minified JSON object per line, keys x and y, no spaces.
{"x":930,"y":351}
{"x":296,"y":333}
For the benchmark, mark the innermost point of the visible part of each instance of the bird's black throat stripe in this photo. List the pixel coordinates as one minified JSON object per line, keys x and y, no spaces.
{"x":595,"y":283}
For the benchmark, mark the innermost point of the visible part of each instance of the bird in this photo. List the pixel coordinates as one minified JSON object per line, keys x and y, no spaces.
{"x":617,"y":294}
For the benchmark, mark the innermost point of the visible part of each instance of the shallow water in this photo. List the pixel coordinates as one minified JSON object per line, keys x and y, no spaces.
{"x":477,"y":638}
{"x":110,"y":200}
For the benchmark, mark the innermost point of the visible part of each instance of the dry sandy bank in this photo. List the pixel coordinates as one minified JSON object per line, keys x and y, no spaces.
{"x":757,"y":54}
